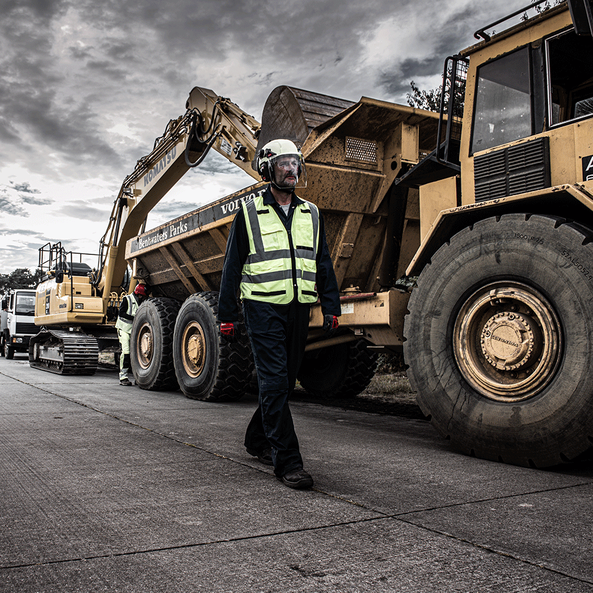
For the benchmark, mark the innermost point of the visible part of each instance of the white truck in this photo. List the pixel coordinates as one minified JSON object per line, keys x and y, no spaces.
{"x":17,"y":322}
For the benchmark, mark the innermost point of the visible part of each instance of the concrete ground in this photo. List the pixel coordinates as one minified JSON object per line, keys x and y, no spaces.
{"x":106,"y":488}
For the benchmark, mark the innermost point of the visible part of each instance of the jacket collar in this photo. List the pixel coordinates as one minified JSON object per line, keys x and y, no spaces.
{"x":269,"y":199}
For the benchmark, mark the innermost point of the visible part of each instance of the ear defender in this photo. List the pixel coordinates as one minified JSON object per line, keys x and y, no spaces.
{"x":264,"y":167}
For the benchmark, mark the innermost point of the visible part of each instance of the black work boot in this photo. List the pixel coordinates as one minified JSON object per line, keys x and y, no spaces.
{"x":297,"y":478}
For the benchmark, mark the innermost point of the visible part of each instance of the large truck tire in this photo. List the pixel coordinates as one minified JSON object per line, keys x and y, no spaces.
{"x":207,"y":367}
{"x":8,"y":351}
{"x":499,"y":340}
{"x":151,"y":344}
{"x":340,"y":371}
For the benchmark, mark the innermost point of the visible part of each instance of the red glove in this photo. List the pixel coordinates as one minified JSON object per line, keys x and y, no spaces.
{"x":227,"y":330}
{"x":330,"y":322}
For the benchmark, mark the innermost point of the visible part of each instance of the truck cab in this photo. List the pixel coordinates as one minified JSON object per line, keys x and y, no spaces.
{"x":518,"y":123}
{"x":18,"y":313}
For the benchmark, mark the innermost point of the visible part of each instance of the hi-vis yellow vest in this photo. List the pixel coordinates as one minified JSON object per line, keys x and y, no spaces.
{"x":268,"y":271}
{"x":125,"y":323}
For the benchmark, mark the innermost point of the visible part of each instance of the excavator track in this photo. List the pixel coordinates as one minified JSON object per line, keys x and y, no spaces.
{"x":64,"y":352}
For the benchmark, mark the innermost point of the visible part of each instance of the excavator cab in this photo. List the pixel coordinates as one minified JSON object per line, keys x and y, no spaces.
{"x":56,"y":262}
{"x":65,"y":292}
{"x":62,"y":266}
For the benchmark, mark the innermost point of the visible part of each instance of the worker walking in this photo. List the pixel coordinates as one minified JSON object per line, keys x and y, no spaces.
{"x":277,"y":256}
{"x":127,"y":312}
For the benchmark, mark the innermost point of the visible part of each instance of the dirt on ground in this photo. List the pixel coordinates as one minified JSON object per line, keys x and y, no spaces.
{"x":388,"y":393}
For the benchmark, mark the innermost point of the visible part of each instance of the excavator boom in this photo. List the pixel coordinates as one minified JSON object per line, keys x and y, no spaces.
{"x":209,"y":122}
{"x":71,"y":296}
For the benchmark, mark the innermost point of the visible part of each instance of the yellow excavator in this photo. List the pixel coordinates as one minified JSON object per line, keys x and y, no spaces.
{"x":76,"y":306}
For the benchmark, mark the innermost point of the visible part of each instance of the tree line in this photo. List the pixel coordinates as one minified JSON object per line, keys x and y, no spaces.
{"x":19,"y":278}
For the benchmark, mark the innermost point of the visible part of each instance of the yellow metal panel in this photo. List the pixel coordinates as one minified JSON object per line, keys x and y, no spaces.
{"x":583,"y":145}
{"x":520,"y":35}
{"x":410,"y":143}
{"x":444,"y":225}
{"x":378,"y":318}
{"x":434,"y":197}
{"x":506,"y":42}
{"x":54,"y":303}
{"x":344,"y":246}
{"x":569,"y":144}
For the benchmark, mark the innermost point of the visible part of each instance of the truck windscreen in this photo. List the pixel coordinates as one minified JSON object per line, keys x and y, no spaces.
{"x":25,"y":304}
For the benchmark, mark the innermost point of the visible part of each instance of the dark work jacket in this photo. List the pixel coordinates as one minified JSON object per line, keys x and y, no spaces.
{"x":237,"y":249}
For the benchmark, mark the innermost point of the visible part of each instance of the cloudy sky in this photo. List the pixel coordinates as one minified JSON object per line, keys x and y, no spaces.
{"x":86,"y":87}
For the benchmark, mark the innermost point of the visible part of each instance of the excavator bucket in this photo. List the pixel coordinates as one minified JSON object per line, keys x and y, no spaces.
{"x":292,"y":113}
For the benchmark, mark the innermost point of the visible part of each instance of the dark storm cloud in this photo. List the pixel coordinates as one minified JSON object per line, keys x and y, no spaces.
{"x":44,"y":10}
{"x":8,"y":132}
{"x":185,"y":26}
{"x":108,"y":69}
{"x":32,"y":110}
{"x":69,"y":130}
{"x":446,"y":39}
{"x":38,"y":115}
{"x":119,"y":50}
{"x":322,"y":33}
{"x":80,"y":53}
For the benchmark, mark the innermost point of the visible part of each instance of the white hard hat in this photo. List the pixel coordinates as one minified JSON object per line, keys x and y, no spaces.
{"x":271,"y":153}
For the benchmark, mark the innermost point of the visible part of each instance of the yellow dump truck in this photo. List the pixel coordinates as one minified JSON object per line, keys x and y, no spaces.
{"x":499,"y":337}
{"x":354,"y":152}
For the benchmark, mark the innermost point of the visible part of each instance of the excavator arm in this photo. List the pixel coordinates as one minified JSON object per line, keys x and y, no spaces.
{"x":209,"y":122}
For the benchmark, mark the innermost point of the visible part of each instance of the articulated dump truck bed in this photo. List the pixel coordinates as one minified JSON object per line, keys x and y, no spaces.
{"x":353,"y":153}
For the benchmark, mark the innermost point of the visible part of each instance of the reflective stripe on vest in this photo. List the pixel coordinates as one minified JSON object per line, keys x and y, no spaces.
{"x":125,"y":323}
{"x":268,"y":271}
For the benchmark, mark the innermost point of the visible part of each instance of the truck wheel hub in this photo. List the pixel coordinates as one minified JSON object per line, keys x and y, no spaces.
{"x":145,"y":346}
{"x":194,"y":350}
{"x":507,"y":341}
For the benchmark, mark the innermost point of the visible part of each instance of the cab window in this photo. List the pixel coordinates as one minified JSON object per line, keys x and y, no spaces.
{"x":570,"y":77}
{"x":502,"y":103}
{"x":25,"y":304}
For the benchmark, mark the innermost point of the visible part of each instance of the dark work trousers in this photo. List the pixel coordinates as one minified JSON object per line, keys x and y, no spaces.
{"x":278,"y":334}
